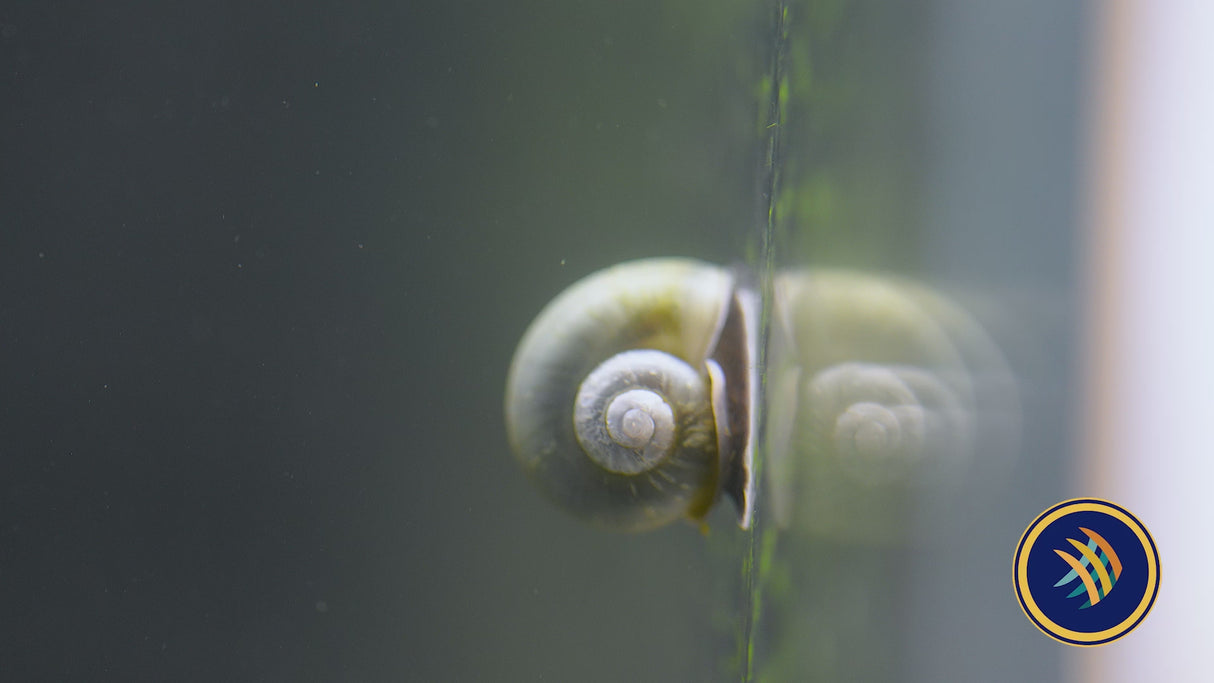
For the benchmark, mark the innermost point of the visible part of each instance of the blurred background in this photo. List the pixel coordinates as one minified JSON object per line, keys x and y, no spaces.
{"x":263,"y":268}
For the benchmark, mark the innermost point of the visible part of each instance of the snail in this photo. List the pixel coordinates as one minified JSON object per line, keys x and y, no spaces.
{"x":628,"y":398}
{"x":632,"y":399}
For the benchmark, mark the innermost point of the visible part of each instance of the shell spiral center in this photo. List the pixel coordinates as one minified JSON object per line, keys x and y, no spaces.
{"x":625,"y":414}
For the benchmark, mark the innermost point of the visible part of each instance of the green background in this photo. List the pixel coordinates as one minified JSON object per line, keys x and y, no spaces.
{"x":265,"y":265}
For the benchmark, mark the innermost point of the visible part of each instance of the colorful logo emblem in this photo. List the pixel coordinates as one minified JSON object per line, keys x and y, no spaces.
{"x":1086,"y":572}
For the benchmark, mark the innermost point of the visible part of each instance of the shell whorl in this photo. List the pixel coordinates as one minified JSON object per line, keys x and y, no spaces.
{"x":625,"y":412}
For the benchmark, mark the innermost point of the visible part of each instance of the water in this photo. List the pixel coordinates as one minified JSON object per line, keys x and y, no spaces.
{"x":265,"y":269}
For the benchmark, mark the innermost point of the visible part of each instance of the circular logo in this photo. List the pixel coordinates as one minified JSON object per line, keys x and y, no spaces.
{"x":1086,"y":572}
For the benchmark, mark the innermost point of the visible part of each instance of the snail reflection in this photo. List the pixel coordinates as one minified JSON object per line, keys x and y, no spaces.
{"x":631,"y":399}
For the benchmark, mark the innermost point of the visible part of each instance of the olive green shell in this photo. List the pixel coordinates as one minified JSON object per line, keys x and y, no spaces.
{"x":671,"y":305}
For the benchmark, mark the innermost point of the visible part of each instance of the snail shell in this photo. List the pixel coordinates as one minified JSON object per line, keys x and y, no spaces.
{"x":615,"y":405}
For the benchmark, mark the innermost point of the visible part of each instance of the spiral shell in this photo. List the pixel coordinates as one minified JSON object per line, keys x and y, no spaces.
{"x":610,"y":396}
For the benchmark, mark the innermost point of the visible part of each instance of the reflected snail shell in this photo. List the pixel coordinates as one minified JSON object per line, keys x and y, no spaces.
{"x":615,"y":406}
{"x":875,"y":387}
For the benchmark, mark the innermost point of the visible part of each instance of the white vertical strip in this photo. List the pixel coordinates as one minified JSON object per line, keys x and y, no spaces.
{"x":1150,"y":380}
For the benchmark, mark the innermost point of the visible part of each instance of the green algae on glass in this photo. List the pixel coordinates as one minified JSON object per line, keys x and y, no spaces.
{"x":836,"y":133}
{"x":848,"y":194}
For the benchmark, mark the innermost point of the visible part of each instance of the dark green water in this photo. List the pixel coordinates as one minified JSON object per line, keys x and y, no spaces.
{"x":264,"y":267}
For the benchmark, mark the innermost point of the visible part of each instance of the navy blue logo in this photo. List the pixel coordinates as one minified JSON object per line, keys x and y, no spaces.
{"x":1086,"y":572}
